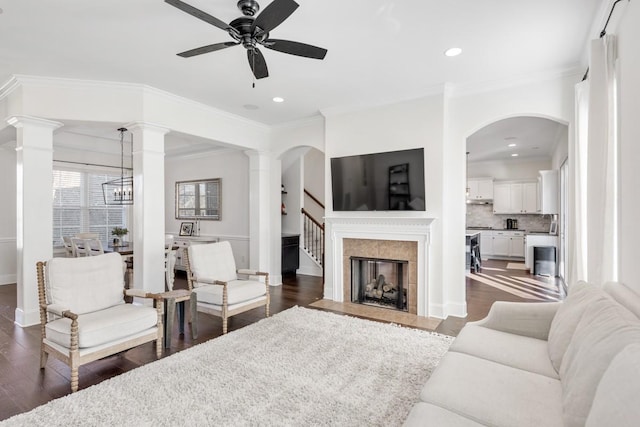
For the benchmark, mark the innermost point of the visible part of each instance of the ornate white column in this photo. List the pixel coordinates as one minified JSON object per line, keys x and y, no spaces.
{"x":148,"y":206}
{"x":34,"y":215}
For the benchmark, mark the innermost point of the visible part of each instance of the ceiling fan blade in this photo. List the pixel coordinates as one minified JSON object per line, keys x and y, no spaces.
{"x":257,"y":63}
{"x":206,"y":49}
{"x":274,"y":14}
{"x":200,"y":14}
{"x":295,"y":48}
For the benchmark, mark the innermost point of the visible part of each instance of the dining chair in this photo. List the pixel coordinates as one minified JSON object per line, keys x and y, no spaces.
{"x":94,"y":247}
{"x":169,"y":267}
{"x":79,"y":247}
{"x":68,"y":247}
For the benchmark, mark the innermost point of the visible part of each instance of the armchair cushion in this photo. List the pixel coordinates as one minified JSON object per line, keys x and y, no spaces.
{"x":212,"y":261}
{"x":104,"y":326}
{"x":85,"y":285}
{"x":238,"y":291}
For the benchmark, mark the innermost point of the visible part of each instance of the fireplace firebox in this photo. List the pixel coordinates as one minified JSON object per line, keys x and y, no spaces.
{"x":379,"y":282}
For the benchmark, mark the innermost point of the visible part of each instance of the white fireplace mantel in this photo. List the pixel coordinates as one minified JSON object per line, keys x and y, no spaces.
{"x":402,"y":228}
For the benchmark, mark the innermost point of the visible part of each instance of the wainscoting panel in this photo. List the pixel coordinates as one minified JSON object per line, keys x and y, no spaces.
{"x":8,"y":261}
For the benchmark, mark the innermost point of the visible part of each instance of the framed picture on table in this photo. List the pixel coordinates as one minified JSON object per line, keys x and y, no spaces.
{"x":186,"y":229}
{"x":553,"y":229}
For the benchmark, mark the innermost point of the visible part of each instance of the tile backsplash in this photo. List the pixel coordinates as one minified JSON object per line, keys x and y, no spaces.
{"x":483,"y":216}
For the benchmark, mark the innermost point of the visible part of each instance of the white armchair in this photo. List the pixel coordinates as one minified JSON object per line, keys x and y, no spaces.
{"x":213,"y":277}
{"x":83,"y":314}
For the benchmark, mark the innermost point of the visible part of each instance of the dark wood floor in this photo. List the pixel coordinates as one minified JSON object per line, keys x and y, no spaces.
{"x":24,"y":386}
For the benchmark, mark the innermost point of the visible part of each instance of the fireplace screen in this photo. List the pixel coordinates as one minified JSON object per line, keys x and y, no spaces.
{"x":379,"y":282}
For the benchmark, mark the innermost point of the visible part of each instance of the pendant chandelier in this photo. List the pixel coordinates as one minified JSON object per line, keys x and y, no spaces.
{"x":119,"y":191}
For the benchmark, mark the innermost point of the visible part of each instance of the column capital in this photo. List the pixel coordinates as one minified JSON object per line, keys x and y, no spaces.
{"x":145,"y":126}
{"x":21,"y":121}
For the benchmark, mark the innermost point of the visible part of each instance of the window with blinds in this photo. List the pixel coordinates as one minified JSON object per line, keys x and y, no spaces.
{"x":78,"y":206}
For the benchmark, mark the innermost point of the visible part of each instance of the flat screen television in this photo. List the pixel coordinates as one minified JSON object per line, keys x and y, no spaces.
{"x":390,"y":181}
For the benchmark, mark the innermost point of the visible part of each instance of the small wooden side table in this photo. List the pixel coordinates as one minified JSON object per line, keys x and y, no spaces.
{"x":171,"y":298}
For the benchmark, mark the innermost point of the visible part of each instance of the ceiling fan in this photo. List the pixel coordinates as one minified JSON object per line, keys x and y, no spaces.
{"x":252,"y":32}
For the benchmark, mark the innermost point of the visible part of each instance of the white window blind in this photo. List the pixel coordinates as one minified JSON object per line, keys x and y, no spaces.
{"x":78,"y":206}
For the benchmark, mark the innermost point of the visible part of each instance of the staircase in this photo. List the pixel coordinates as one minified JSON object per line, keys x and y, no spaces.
{"x":313,"y":235}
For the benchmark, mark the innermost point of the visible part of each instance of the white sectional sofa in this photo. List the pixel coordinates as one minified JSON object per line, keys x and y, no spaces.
{"x":573,"y":363}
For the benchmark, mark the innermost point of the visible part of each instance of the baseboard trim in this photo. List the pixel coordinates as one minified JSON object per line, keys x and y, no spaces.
{"x":309,"y":271}
{"x":27,"y":318}
{"x":8,"y":279}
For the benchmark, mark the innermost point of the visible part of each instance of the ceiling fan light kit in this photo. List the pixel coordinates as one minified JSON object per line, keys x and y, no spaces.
{"x":252,"y":32}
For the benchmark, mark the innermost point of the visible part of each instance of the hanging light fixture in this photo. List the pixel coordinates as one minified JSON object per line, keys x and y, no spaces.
{"x":119,"y":191}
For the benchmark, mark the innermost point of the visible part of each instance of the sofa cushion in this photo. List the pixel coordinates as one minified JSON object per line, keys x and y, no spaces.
{"x":494,"y":394}
{"x":581,"y":295}
{"x":104,"y":326}
{"x":616,"y":399}
{"x":212,"y":261}
{"x":88,"y":284}
{"x":625,"y":296}
{"x":426,"y":414}
{"x":238,"y":291}
{"x":602,"y":332}
{"x":517,"y":351}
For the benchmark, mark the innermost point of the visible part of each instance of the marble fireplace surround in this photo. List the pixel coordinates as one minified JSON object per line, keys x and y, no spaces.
{"x":393,"y":230}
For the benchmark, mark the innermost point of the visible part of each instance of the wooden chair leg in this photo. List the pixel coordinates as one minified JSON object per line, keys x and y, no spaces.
{"x":224,"y":325}
{"x":74,"y":377}
{"x":193,"y":306}
{"x":266,"y":309}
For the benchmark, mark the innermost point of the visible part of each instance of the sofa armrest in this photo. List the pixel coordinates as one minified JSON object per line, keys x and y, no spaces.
{"x":521,"y":318}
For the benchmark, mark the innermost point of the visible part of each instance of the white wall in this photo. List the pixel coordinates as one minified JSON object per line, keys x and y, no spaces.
{"x":509,"y":169}
{"x":233,"y":167}
{"x":629,"y":62}
{"x":8,"y":261}
{"x":314,"y":173}
{"x":561,"y":152}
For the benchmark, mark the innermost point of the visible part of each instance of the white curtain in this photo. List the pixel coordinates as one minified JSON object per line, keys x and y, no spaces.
{"x":595,"y":170}
{"x":577,"y":232}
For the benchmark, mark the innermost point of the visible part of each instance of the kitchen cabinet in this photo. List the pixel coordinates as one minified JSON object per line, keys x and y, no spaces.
{"x":502,"y":244}
{"x":515,"y":197}
{"x":502,"y":198}
{"x":486,"y":244}
{"x":480,"y":188}
{"x":548,"y":192}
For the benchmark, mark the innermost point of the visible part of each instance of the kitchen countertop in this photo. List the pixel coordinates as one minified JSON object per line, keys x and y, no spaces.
{"x":536,"y":232}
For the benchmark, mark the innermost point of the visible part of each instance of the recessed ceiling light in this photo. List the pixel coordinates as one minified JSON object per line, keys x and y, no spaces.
{"x":535,"y":148}
{"x":510,"y":138}
{"x":278,"y":99}
{"x":454,"y":51}
{"x":512,"y":145}
{"x":514,"y":155}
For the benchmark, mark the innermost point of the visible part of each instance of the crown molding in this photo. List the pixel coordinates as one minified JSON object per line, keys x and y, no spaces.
{"x":338,"y":110}
{"x":295,"y":124}
{"x":18,"y":80}
{"x":200,"y":154}
{"x":466,"y":89}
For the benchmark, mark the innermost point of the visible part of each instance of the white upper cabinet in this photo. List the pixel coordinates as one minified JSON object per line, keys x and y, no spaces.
{"x":515,"y":198}
{"x":480,"y":188}
{"x":548,"y":192}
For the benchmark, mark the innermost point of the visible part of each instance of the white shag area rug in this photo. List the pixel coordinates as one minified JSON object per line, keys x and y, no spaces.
{"x":299,"y":367}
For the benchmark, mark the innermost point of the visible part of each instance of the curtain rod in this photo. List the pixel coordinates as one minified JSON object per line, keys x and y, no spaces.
{"x":91,"y":164}
{"x":603,"y":32}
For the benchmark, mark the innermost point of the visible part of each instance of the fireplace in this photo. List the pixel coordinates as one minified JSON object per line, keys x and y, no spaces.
{"x":379,"y":282}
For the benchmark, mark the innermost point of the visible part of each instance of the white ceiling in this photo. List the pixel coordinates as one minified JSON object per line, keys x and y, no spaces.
{"x":379,"y":50}
{"x":534,"y":137}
